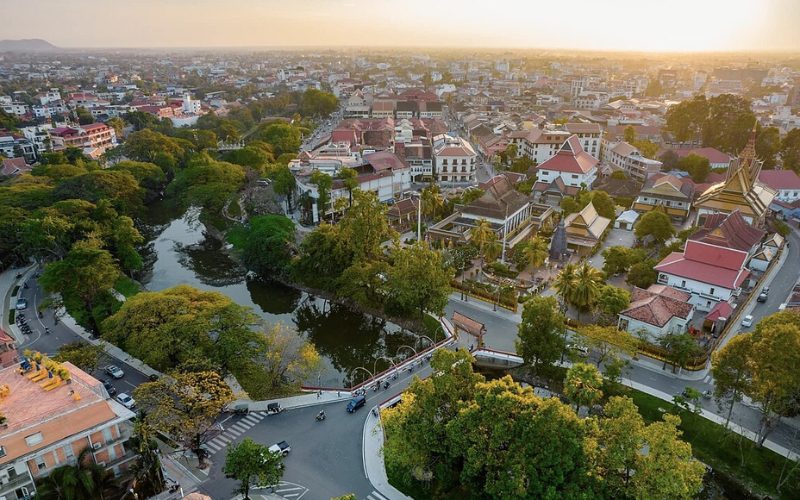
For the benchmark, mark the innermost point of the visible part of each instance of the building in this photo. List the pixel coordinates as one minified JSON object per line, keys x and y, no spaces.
{"x":510,"y":213}
{"x":672,"y":194}
{"x":629,"y":159}
{"x":12,"y":145}
{"x":14,"y":166}
{"x":715,"y":157}
{"x":785,"y":183}
{"x":729,"y":231}
{"x":454,"y":159}
{"x":538,"y":145}
{"x":626,"y":220}
{"x":741,"y":190}
{"x":590,"y":135}
{"x":8,"y":350}
{"x":92,"y":136}
{"x":710,"y":273}
{"x":572,"y":164}
{"x":51,"y":415}
{"x":585,"y":229}
{"x":658,"y":311}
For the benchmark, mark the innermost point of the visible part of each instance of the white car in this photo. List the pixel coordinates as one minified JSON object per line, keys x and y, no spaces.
{"x":115,"y":371}
{"x":748,"y":320}
{"x":126,"y":401}
{"x":282,"y":448}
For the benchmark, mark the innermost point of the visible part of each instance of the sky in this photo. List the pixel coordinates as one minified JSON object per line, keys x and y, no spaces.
{"x":627,"y":25}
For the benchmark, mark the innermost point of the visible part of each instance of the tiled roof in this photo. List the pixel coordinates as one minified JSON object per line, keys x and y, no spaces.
{"x":679,"y":265}
{"x":729,"y":231}
{"x":713,"y":155}
{"x":583,"y":128}
{"x":657,"y":306}
{"x":570,"y":158}
{"x":780,"y":179}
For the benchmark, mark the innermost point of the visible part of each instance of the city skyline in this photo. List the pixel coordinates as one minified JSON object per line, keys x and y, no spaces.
{"x":616,"y":25}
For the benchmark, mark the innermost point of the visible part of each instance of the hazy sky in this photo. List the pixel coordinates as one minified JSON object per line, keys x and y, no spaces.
{"x":646,"y":25}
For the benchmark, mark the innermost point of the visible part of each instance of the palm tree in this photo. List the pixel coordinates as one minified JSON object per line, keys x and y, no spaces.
{"x":484,"y":237}
{"x":84,"y":480}
{"x":536,"y":251}
{"x":432,"y":201}
{"x":565,"y":283}
{"x":587,"y":286}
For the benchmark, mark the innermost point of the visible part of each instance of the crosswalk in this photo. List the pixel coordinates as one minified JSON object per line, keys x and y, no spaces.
{"x":234,"y":431}
{"x":376,"y":496}
{"x":290,"y":491}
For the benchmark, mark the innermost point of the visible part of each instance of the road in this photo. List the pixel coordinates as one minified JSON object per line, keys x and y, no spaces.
{"x":60,"y":335}
{"x":502,"y":332}
{"x":326,"y":458}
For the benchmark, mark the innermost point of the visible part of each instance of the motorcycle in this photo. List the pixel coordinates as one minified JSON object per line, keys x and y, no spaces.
{"x":320,"y":416}
{"x":385,"y":385}
{"x":46,"y":331}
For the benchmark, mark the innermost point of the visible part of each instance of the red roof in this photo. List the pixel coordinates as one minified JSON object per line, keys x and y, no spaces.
{"x":570,"y":158}
{"x":657,"y":306}
{"x":679,"y":265}
{"x":721,"y":310}
{"x":713,"y":155}
{"x":726,"y":258}
{"x":780,"y":179}
{"x":728,"y":231}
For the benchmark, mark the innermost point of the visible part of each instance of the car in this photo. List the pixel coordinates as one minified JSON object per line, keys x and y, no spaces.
{"x":126,"y":401}
{"x":762,"y":297}
{"x":579,"y":349}
{"x":239,"y":409}
{"x":115,"y":371}
{"x":747,"y":321}
{"x":281,"y":447}
{"x":356,"y":403}
{"x":22,"y":304}
{"x":110,"y":389}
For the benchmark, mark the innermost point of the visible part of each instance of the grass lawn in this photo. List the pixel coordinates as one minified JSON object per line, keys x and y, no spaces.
{"x":126,"y":286}
{"x":432,"y":328}
{"x":757,"y":469}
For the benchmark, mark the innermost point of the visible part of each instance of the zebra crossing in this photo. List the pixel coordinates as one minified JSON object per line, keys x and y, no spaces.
{"x":234,"y":431}
{"x":376,"y":496}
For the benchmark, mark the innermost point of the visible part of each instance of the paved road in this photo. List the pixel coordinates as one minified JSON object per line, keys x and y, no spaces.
{"x":61,"y":335}
{"x":326,"y":458}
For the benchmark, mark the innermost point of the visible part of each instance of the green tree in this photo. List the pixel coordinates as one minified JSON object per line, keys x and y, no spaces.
{"x":629,"y":134}
{"x":323,"y":257}
{"x":252,"y":464}
{"x":284,"y":183}
{"x":84,"y":356}
{"x":207,"y":183}
{"x":323,"y":182}
{"x":418,"y":281}
{"x":84,"y":480}
{"x":119,"y":187}
{"x":265,"y":243}
{"x":249,"y":156}
{"x":729,"y":367}
{"x":84,"y":115}
{"x":365,"y":226}
{"x":85,"y":273}
{"x":768,"y":144}
{"x":184,"y":405}
{"x":615,"y":444}
{"x":729,"y":123}
{"x":685,"y":120}
{"x":668,"y":469}
{"x":655,"y":224}
{"x":541,"y":334}
{"x":432,"y":202}
{"x":680,"y":347}
{"x":283,"y":137}
{"x":588,"y":282}
{"x":536,"y":251}
{"x":149,"y":146}
{"x":612,"y":300}
{"x":566,"y":282}
{"x":349,"y":178}
{"x":318,"y":103}
{"x":149,"y":176}
{"x":697,"y":166}
{"x":148,"y":476}
{"x":619,"y":259}
{"x":642,"y":274}
{"x":609,"y":342}
{"x":790,"y":150}
{"x":482,"y":236}
{"x":583,"y":385}
{"x":649,"y":149}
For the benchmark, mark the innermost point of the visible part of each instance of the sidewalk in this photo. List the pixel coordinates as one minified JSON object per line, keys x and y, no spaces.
{"x":301,"y":401}
{"x":374,"y":467}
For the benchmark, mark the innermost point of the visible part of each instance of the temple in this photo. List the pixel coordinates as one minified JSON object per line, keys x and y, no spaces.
{"x":741,"y":190}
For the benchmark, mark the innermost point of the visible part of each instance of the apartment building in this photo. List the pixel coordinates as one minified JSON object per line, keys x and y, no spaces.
{"x":455,"y":160}
{"x":630,"y":160}
{"x":589,"y":134}
{"x":94,"y":135}
{"x":51,"y":412}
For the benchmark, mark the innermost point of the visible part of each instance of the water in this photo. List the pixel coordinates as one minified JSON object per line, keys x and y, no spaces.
{"x":183,"y":252}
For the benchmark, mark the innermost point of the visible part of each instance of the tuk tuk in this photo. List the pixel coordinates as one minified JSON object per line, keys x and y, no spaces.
{"x":274,"y":408}
{"x":240,"y":409}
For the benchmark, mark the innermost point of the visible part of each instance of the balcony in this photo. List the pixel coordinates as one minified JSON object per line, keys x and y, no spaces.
{"x":23,"y":480}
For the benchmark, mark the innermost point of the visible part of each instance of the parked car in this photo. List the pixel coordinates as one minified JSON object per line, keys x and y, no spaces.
{"x":22,"y":304}
{"x":282,"y":447}
{"x":110,"y":389}
{"x":579,"y":349}
{"x":747,"y":321}
{"x":762,"y":297}
{"x":126,"y":401}
{"x":239,"y":409}
{"x":356,"y":403}
{"x":115,"y":371}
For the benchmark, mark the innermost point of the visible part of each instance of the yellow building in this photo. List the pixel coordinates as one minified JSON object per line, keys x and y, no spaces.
{"x":585,"y":229}
{"x":741,"y":190}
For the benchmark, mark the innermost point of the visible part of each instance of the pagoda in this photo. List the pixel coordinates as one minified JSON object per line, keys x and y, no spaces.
{"x":741,"y":190}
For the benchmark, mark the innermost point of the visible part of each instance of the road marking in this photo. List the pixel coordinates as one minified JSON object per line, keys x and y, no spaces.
{"x":234,"y":433}
{"x":289,"y":489}
{"x":240,"y":427}
{"x":252,"y":419}
{"x":125,"y":381}
{"x":213,"y":446}
{"x":707,"y":378}
{"x":376,"y":496}
{"x":224,"y":439}
{"x":291,"y":495}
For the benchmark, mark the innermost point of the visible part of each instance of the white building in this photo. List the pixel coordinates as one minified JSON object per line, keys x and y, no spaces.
{"x":455,"y":160}
{"x":658,"y":311}
{"x":190,"y":106}
{"x":590,"y":135}
{"x":572,"y":164}
{"x":786,"y":183}
{"x":538,"y":145}
{"x":629,"y":159}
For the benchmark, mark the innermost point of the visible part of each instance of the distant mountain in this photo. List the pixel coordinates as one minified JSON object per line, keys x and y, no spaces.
{"x":28,"y":45}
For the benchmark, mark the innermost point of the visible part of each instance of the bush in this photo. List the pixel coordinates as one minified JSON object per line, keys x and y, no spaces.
{"x":500,"y":269}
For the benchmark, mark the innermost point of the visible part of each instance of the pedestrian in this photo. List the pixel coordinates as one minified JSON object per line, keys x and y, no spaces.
{"x":338,"y":394}
{"x":318,"y":394}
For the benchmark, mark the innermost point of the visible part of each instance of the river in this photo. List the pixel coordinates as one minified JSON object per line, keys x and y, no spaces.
{"x":182,"y":251}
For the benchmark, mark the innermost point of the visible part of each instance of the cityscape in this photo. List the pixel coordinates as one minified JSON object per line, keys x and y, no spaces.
{"x":360,"y":250}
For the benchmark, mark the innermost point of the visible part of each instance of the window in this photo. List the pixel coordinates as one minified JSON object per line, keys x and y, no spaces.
{"x":2,"y":451}
{"x":683,"y":283}
{"x":711,"y":291}
{"x":34,"y":439}
{"x":574,"y":176}
{"x":40,"y":463}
